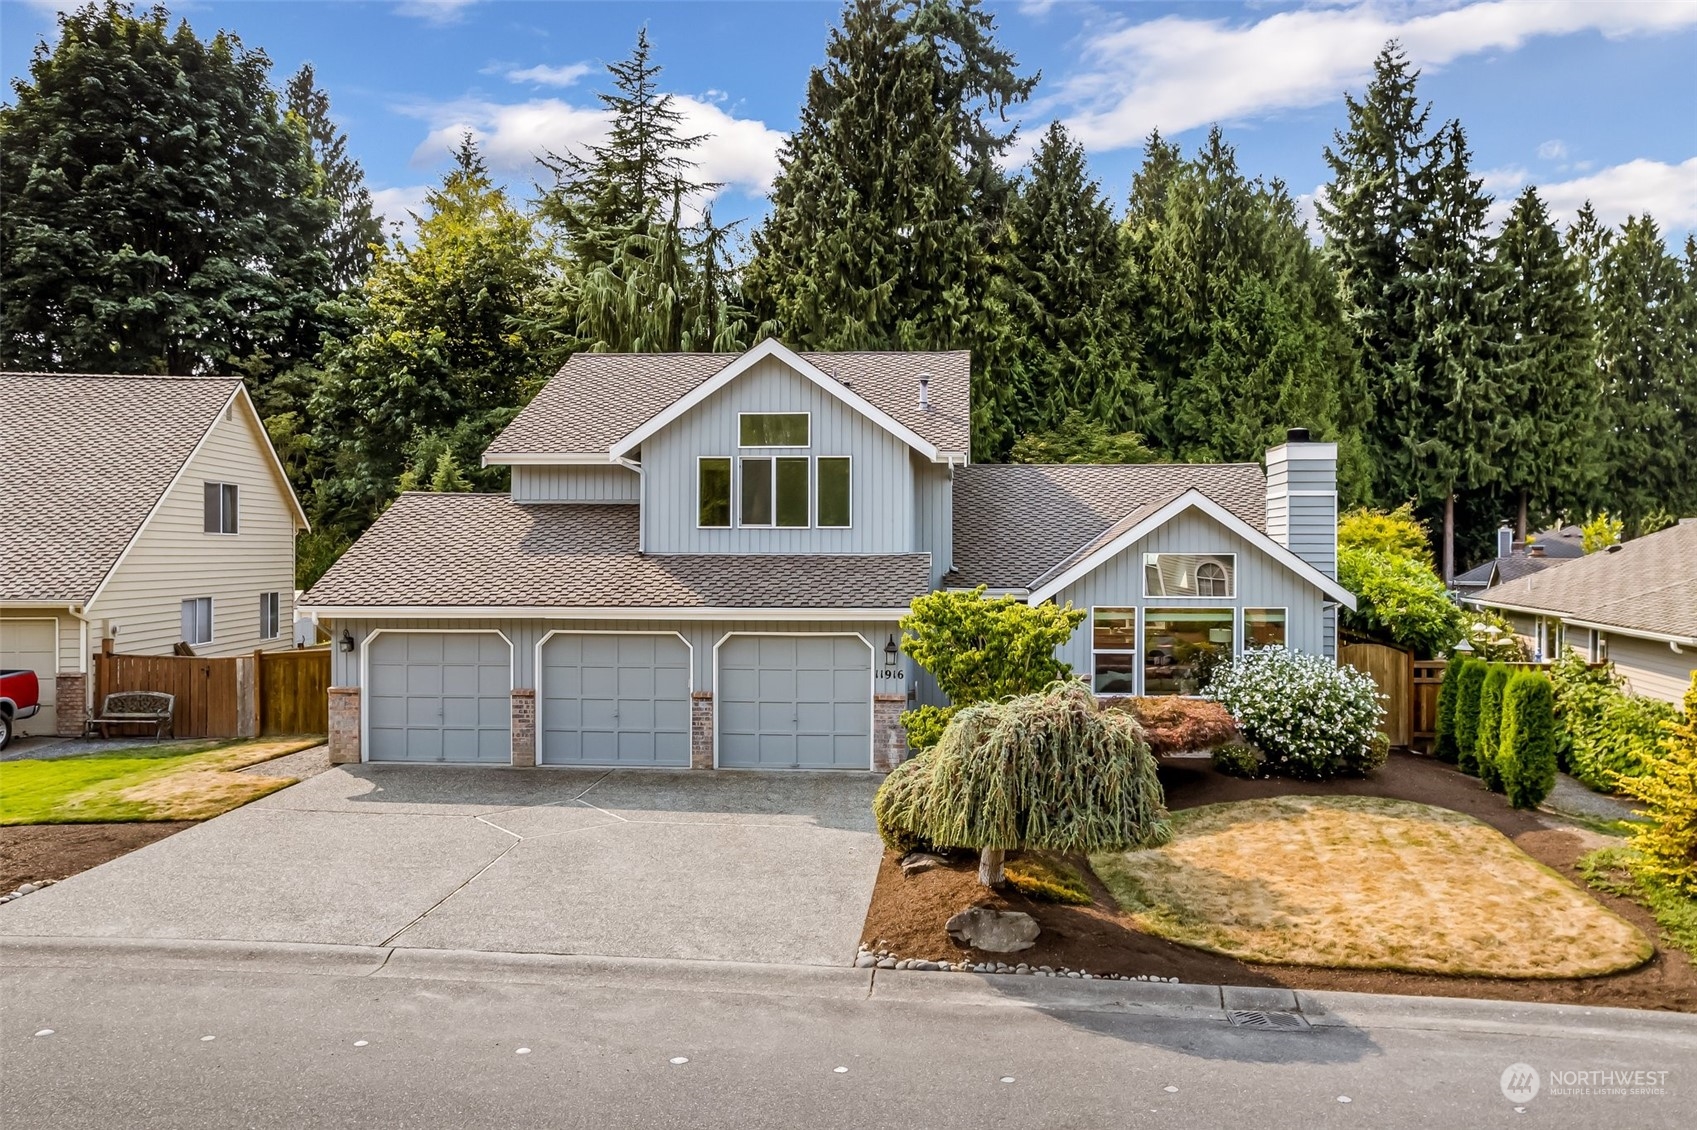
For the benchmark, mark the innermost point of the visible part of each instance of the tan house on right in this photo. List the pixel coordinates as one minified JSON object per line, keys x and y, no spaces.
{"x":1634,"y":604}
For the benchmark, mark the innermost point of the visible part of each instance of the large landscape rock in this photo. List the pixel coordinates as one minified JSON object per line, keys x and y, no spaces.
{"x":994,"y":931}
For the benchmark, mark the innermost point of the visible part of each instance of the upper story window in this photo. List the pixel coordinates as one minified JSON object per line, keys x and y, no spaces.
{"x":1189,"y":574}
{"x":713,"y":491}
{"x":219,"y":508}
{"x":774,"y":491}
{"x":773,"y":429}
{"x":834,"y":491}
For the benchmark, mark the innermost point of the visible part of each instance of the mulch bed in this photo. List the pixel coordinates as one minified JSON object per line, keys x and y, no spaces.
{"x":907,"y":913}
{"x":32,"y":852}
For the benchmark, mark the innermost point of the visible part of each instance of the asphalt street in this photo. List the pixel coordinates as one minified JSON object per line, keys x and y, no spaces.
{"x":398,"y":1039}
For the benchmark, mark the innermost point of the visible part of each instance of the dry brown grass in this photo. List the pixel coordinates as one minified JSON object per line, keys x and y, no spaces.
{"x":1366,"y":883}
{"x":208,"y":784}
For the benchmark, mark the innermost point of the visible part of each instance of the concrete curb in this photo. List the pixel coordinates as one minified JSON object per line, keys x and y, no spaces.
{"x":1323,"y":1010}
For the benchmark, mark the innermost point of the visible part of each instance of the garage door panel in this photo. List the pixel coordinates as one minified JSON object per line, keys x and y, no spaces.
{"x":794,"y":702}
{"x":424,"y":678}
{"x":33,"y":645}
{"x":437,"y":696}
{"x":628,"y":695}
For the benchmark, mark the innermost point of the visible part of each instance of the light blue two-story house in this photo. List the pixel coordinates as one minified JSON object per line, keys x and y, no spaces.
{"x":703,"y":559}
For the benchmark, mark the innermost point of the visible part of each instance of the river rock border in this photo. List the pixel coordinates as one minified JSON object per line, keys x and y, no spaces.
{"x":884,"y":959}
{"x":26,"y":889}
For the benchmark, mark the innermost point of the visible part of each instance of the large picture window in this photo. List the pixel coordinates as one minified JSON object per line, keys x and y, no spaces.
{"x":834,"y":491}
{"x":774,"y":491}
{"x":1263,"y":627}
{"x":713,"y":491}
{"x":1113,"y":650}
{"x":772,"y":429}
{"x":1190,"y":574}
{"x":1181,"y":647}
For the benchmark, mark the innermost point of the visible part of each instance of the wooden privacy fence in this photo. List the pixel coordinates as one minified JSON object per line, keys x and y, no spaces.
{"x":1393,"y":670}
{"x":1423,"y":711}
{"x":238,"y":696}
{"x":294,"y":691}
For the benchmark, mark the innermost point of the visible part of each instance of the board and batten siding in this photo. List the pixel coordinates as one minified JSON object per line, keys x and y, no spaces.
{"x":576,"y":484}
{"x":1261,"y":582}
{"x":174,"y":559}
{"x":934,"y":514}
{"x":524,"y":635}
{"x":1650,"y":667}
{"x":882,"y":490}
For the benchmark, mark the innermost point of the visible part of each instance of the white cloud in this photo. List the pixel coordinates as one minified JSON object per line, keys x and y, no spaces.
{"x":1667,"y":192}
{"x":437,"y":12}
{"x":545,"y":75}
{"x":1176,"y":72}
{"x":1554,"y":149}
{"x":397,"y":206}
{"x":740,"y":152}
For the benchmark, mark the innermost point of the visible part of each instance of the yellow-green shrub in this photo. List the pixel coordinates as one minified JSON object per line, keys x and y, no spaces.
{"x":1667,"y":845}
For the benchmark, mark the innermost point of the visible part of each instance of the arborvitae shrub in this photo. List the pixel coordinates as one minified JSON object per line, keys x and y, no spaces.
{"x":1467,"y":687}
{"x":1526,"y":750}
{"x":1490,"y":726}
{"x":1444,"y":745}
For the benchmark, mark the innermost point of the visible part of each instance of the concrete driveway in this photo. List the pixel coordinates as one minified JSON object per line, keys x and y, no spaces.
{"x":631,"y":863}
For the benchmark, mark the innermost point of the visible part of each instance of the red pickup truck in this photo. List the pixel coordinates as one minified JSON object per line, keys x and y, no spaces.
{"x":20,"y":698}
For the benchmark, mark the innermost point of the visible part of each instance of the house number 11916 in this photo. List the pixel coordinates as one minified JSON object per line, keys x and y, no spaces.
{"x":886,"y":673}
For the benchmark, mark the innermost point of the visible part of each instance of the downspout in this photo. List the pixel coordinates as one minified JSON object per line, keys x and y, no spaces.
{"x":641,"y":501}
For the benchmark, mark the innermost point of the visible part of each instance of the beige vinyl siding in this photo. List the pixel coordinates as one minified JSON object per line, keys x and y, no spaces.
{"x":702,"y":636}
{"x":575,"y":484}
{"x":174,"y":560}
{"x":1650,"y":667}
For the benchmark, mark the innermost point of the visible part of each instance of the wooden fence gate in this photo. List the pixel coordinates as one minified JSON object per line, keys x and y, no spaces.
{"x":294,"y":691}
{"x":1393,"y":670}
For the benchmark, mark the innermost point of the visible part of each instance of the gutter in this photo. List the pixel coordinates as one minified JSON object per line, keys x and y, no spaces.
{"x":1594,"y":625}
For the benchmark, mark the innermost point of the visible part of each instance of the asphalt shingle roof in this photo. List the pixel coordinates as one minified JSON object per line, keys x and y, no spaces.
{"x":1649,"y":584}
{"x":1511,"y":568}
{"x":484,"y":550}
{"x":1017,"y":523}
{"x":83,"y":459}
{"x":597,"y":399}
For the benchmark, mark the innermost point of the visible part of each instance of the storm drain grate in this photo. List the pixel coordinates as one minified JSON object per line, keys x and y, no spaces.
{"x":1270,"y":1021}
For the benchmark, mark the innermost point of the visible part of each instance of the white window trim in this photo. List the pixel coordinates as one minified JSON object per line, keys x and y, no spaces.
{"x":275,"y":598}
{"x":814,"y":487}
{"x":741,"y":446}
{"x":1143,"y":612}
{"x":1216,"y":558}
{"x":220,"y":484}
{"x":736,"y":484}
{"x":211,"y":620}
{"x":1243,"y":622}
{"x":365,"y":678}
{"x":536,"y":677}
{"x":732,"y":460}
{"x":1136,"y":636}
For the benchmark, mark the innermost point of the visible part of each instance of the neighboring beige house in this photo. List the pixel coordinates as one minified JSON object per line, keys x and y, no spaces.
{"x":1634,"y":604}
{"x":145,"y":510}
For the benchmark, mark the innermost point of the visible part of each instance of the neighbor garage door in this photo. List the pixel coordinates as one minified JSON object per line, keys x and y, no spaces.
{"x":614,"y":699}
{"x":33,"y":645}
{"x":439,"y":696}
{"x":795,"y":702}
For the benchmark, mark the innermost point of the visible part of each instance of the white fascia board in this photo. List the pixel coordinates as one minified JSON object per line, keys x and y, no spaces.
{"x":547,"y":459}
{"x":1580,"y":622}
{"x":774,"y":348}
{"x":272,"y":458}
{"x":1189,"y":499}
{"x":55,"y":602}
{"x":414,"y":611}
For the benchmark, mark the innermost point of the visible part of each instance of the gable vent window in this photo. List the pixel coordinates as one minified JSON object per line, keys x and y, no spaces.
{"x":772,"y":429}
{"x":219,"y":509}
{"x":197,"y":620}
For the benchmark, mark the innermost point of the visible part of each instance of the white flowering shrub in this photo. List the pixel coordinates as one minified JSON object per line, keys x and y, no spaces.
{"x":1309,"y":716}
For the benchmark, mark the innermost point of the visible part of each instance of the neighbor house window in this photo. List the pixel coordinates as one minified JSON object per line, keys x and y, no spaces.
{"x":1189,"y":574}
{"x":219,"y":508}
{"x":1263,"y":627}
{"x":772,"y":429}
{"x":269,"y":620}
{"x":1113,"y":650}
{"x":1599,"y":647}
{"x":834,"y":491}
{"x":713,"y":491}
{"x":1182,"y":646}
{"x":774,"y":491}
{"x":197,"y":620}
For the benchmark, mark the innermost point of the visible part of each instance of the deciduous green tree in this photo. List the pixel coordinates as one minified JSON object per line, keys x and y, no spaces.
{"x":1081,"y":439}
{"x":1399,"y":600}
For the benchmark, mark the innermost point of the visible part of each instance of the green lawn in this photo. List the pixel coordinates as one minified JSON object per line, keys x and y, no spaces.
{"x":179,"y":781}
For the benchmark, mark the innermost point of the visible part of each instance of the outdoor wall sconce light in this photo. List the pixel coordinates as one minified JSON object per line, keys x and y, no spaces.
{"x":891,"y":651}
{"x":347,"y":643}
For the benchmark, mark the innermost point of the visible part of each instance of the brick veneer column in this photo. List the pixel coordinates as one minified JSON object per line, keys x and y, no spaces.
{"x":701,"y":730}
{"x":344,"y":725}
{"x":524,"y":727}
{"x":70,"y":693}
{"x":889,"y":739}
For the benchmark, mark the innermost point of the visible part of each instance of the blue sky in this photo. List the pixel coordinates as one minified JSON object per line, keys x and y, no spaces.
{"x":1587,"y":100}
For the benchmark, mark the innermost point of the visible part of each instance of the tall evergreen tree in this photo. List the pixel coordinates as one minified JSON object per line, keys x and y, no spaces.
{"x":440,"y":357}
{"x":877,"y":238}
{"x":1069,"y":346}
{"x":1553,"y":457}
{"x":157,"y":209}
{"x":354,"y":232}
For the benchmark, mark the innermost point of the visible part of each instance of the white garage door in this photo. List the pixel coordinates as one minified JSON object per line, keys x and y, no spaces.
{"x":439,"y":696}
{"x":613,"y":699}
{"x":32,"y":645}
{"x":795,"y":702}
